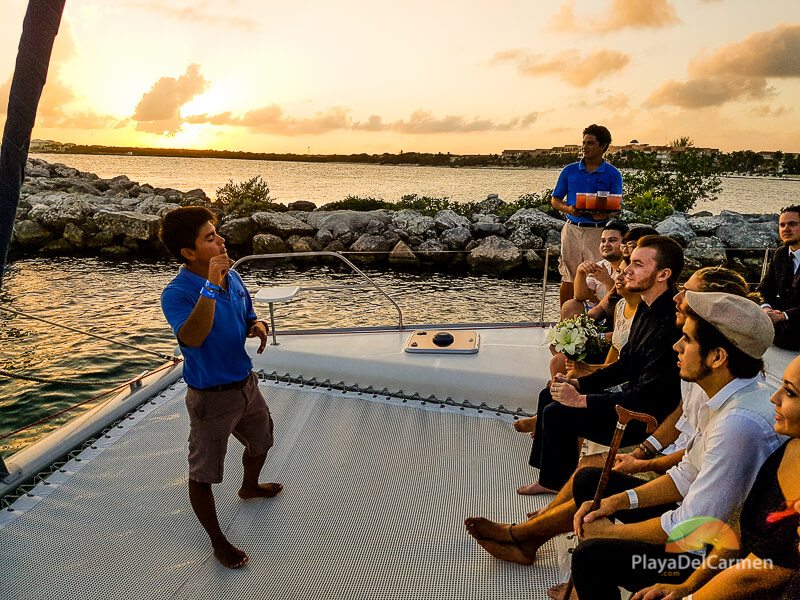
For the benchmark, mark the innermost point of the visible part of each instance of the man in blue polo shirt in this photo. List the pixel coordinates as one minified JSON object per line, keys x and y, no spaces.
{"x":580,"y":237}
{"x":211,"y":314}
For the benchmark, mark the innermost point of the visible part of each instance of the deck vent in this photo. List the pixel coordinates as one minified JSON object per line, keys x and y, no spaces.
{"x":443,"y":342}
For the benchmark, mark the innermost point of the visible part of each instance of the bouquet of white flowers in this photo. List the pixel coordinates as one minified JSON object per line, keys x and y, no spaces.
{"x":577,"y":338}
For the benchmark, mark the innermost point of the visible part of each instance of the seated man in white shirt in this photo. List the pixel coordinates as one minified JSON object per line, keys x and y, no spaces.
{"x":594,"y":280}
{"x":724,"y":338}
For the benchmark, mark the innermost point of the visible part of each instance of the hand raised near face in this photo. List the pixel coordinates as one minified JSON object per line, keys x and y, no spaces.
{"x":218,"y":267}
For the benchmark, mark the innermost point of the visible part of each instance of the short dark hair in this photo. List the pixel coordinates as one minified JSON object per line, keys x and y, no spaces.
{"x":602,"y":134}
{"x":617,"y":225}
{"x":669,"y":254}
{"x":708,"y":337}
{"x":636,"y":233}
{"x":181,"y":226}
{"x":793,"y":208}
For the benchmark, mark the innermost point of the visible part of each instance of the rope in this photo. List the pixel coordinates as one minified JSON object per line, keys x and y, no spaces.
{"x":99,"y":337}
{"x":92,"y":399}
{"x":77,"y":382}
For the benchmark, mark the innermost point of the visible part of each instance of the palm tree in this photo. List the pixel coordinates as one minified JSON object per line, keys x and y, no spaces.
{"x":39,"y":30}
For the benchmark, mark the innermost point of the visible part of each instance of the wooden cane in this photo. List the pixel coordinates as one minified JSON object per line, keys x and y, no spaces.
{"x":624,"y":416}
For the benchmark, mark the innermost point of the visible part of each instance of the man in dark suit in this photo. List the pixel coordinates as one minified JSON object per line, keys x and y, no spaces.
{"x":780,"y":287}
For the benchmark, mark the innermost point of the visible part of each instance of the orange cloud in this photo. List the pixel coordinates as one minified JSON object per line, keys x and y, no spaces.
{"x":159,"y":109}
{"x":52,"y":111}
{"x":196,"y":14}
{"x":569,"y":65}
{"x":272,"y":120}
{"x":737,"y":71}
{"x":622,"y":14}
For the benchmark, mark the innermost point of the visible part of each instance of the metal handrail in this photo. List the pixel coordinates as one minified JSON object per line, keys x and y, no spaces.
{"x":326,"y":253}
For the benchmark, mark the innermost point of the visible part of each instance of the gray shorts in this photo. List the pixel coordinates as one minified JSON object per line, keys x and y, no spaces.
{"x":214,"y":416}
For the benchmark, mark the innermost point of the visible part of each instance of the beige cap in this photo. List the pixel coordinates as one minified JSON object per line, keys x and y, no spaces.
{"x":739,"y":319}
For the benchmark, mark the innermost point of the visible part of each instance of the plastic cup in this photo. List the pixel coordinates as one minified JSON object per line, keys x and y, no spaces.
{"x":580,"y":201}
{"x":614,"y":202}
{"x":602,"y":200}
{"x":591,"y":201}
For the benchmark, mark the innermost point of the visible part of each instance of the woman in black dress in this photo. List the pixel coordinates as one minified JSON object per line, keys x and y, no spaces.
{"x":769,"y":523}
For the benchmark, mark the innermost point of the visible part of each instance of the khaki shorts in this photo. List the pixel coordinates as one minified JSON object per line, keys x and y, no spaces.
{"x":578,"y":244}
{"x":214,"y":416}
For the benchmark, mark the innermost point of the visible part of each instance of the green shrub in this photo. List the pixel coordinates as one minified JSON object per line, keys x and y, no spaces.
{"x":357,"y":203}
{"x":538,"y":201}
{"x":243,"y":199}
{"x":649,"y":207}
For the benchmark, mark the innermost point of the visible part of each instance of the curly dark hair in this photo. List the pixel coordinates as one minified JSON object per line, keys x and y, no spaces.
{"x":602,"y":134}
{"x":180,"y":228}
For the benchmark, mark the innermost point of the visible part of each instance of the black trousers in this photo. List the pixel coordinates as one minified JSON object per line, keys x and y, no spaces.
{"x":787,"y":334}
{"x":600,"y":566}
{"x":555,"y":449}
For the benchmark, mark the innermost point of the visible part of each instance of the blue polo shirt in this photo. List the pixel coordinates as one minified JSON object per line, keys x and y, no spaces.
{"x":221,"y":358}
{"x":575,"y":178}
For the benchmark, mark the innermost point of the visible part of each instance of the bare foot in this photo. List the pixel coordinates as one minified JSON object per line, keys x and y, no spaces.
{"x":483,"y":529}
{"x":526,"y":425}
{"x":534,"y":488}
{"x":509,"y":552}
{"x":557,"y":592}
{"x":264,"y":490}
{"x":230,"y":556}
{"x":534,"y":513}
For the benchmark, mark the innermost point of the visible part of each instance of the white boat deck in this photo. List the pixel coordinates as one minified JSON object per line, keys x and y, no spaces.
{"x":376,"y":491}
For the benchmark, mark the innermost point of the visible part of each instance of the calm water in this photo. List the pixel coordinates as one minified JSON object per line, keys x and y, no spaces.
{"x":322,"y":183}
{"x":120,"y":300}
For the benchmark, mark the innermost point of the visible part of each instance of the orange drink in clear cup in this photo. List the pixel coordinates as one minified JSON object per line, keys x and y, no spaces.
{"x":602,"y":200}
{"x":591,"y":201}
{"x":614,"y":202}
{"x":580,"y":201}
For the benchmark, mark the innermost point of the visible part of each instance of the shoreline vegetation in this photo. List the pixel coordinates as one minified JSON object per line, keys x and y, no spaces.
{"x":740,"y":163}
{"x":64,"y":211}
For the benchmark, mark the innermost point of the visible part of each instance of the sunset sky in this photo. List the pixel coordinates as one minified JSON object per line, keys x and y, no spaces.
{"x":437,"y":75}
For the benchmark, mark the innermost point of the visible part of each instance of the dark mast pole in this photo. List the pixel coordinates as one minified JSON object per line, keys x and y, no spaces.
{"x":39,"y":30}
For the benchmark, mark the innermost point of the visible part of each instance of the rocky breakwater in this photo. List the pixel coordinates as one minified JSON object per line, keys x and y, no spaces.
{"x":64,"y":211}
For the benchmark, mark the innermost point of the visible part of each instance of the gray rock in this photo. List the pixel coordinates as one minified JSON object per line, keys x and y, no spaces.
{"x":267,"y":243}
{"x":31,"y":234}
{"x":323,"y":237}
{"x":705,"y":225}
{"x":495,"y":255}
{"x":449,"y":219}
{"x":134,"y":225}
{"x":197,"y":193}
{"x":749,"y":235}
{"x":82,"y":187}
{"x":305,"y":205}
{"x":281,"y":224}
{"x":677,"y":227}
{"x":100,"y":239}
{"x":412,"y":222}
{"x":704,"y":252}
{"x":336,"y":246}
{"x":155,"y":205}
{"x":120,"y":182}
{"x":350,"y":220}
{"x":59,"y":170}
{"x":115,"y":251}
{"x":491,"y":205}
{"x":485,"y":218}
{"x":486,"y":229}
{"x":433,"y":251}
{"x":524,"y":237}
{"x":457,"y":238}
{"x":303,"y":244}
{"x":402,"y":255}
{"x":32,"y":170}
{"x":74,"y":235}
{"x":131,"y":244}
{"x":58,"y":247}
{"x":533,"y":261}
{"x":62,"y":210}
{"x":370,"y":244}
{"x":238,"y":231}
{"x":538,"y":221}
{"x":375,"y":227}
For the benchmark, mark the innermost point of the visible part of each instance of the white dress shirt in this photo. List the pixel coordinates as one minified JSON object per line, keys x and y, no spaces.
{"x":735,"y":436}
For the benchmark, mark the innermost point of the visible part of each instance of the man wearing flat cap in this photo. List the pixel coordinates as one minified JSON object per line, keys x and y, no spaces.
{"x":723,"y":340}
